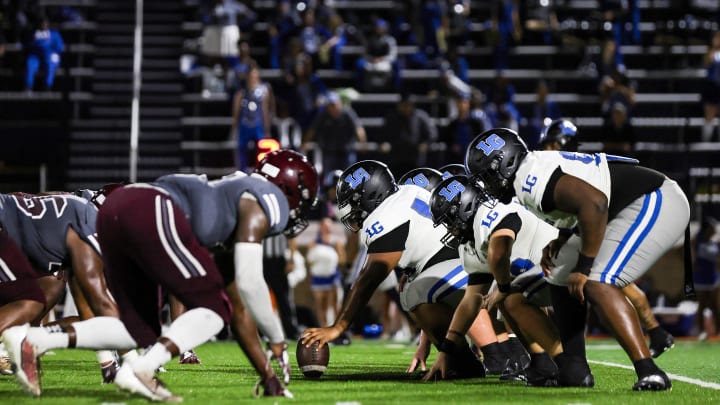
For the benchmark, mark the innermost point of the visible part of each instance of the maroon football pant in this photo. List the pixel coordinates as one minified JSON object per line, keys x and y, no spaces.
{"x":147,"y":243}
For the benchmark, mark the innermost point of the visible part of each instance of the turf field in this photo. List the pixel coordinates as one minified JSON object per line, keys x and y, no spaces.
{"x":372,"y":372}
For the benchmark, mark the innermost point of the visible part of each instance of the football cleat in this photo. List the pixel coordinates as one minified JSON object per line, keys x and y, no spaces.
{"x":662,"y":344}
{"x":144,"y":383}
{"x":189,"y":357}
{"x":24,"y":361}
{"x":653,"y":382}
{"x":272,"y":387}
{"x":109,"y":371}
{"x":541,"y":378}
{"x":497,"y":365}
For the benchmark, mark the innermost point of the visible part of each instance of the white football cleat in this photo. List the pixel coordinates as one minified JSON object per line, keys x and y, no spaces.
{"x":5,"y":364}
{"x":145,"y":384}
{"x":23,"y":358}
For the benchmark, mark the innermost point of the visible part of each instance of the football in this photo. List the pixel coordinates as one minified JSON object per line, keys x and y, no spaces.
{"x":311,"y":360}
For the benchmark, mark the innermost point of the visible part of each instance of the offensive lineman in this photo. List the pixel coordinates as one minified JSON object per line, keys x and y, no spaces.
{"x":626,"y":215}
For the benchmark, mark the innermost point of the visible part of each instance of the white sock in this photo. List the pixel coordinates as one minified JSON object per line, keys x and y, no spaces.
{"x":130,"y":357}
{"x":45,"y":339}
{"x":189,"y":330}
{"x":103,"y":332}
{"x":104,"y":357}
{"x":707,"y":130}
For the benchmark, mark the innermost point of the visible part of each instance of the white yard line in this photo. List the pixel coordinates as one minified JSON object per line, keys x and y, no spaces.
{"x":695,"y":381}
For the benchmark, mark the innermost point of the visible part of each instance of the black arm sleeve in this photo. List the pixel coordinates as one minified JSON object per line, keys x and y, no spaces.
{"x":511,"y":222}
{"x":480,"y":278}
{"x":393,"y":241}
{"x":548,"y":201}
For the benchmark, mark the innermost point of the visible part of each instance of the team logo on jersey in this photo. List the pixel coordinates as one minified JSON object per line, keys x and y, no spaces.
{"x":452,"y":190}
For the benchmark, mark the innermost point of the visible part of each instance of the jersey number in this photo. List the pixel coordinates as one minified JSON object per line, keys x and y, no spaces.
{"x":581,"y":157}
{"x":37,"y":207}
{"x":490,"y":144}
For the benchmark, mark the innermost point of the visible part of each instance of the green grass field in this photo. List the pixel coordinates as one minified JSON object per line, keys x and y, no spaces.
{"x":372,"y":372}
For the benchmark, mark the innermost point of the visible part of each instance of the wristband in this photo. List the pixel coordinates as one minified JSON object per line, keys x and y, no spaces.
{"x":503,"y":288}
{"x":565,"y":233}
{"x":584,"y":264}
{"x":447,"y":346}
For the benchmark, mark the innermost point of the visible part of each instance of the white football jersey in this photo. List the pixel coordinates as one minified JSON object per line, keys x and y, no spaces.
{"x":535,"y":171}
{"x":409,"y":203}
{"x":527,"y":249}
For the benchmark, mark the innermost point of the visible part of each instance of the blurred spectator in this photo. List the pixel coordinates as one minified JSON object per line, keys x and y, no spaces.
{"x":253,"y":110}
{"x":277,"y":253}
{"x":541,"y":21}
{"x":240,"y":66}
{"x":501,"y":106}
{"x":459,"y":22}
{"x":409,"y":131}
{"x":223,"y":21}
{"x":43,"y":50}
{"x":312,"y":35}
{"x":616,"y":14}
{"x":286,"y":21}
{"x":336,"y":132}
{"x":617,"y":132}
{"x":286,"y":129}
{"x":611,"y":58}
{"x":711,"y":89}
{"x":707,"y":279}
{"x":379,"y":69}
{"x":324,"y":256}
{"x":616,"y":88}
{"x":506,"y":30}
{"x":305,"y":90}
{"x":544,"y":110}
{"x":454,"y":72}
{"x":463,"y":128}
{"x":331,"y":50}
{"x":404,"y":33}
{"x":434,"y":23}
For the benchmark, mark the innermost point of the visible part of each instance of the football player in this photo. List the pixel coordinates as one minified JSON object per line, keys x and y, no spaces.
{"x":626,"y":216}
{"x":505,"y":241}
{"x":158,"y":234}
{"x":56,"y":232}
{"x":563,"y":135}
{"x":395,"y":225}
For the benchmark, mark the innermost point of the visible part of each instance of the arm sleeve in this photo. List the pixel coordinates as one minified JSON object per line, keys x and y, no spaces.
{"x":548,"y":201}
{"x":511,"y":222}
{"x":253,"y":289}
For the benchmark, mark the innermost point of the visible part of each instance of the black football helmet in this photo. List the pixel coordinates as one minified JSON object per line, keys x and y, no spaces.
{"x":424,"y":177}
{"x":453,"y":169}
{"x":453,"y":203}
{"x":293,"y":173}
{"x":494,"y":157}
{"x":563,"y":132}
{"x":360,"y":189}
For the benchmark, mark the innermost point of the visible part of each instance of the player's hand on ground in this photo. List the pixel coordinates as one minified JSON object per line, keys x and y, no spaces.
{"x":420,"y":356}
{"x":278,"y":352}
{"x":576,"y":285}
{"x":321,"y":335}
{"x":439,"y":368}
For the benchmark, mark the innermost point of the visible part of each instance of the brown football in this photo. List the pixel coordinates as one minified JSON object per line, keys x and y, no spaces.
{"x":311,"y":360}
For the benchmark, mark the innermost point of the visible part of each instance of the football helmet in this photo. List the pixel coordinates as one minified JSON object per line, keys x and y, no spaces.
{"x":453,"y":203}
{"x":561,"y":131}
{"x":453,"y":169}
{"x":293,"y":173}
{"x":360,"y":189}
{"x":424,"y":177}
{"x":494,"y":157}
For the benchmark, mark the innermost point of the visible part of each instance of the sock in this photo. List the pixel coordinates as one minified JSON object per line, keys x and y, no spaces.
{"x":492,"y":350}
{"x":645,"y":367}
{"x":104,"y":357}
{"x":47,"y":338}
{"x":194,"y":328}
{"x":542,"y":361}
{"x":657,"y":333}
{"x":152,"y":359}
{"x":103,"y":332}
{"x":571,"y":319}
{"x":130,"y":357}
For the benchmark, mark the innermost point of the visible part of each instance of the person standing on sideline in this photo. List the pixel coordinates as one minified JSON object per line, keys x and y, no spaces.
{"x":707,"y":279}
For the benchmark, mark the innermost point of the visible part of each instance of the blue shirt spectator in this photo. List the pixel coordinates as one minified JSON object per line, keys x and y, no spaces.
{"x":43,"y":50}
